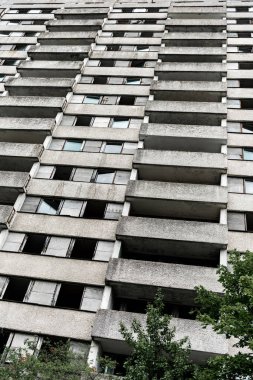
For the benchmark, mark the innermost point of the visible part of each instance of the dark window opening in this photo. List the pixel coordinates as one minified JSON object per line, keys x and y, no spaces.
{"x":47,"y":351}
{"x":100,"y":80}
{"x":120,"y":360}
{"x":83,"y":121}
{"x":244,"y":35}
{"x":4,"y":336}
{"x":34,"y":244}
{"x":213,"y":262}
{"x":245,"y":65}
{"x":137,"y":63}
{"x":249,"y":218}
{"x":83,"y":249}
{"x":146,"y":34}
{"x":246,"y":104}
{"x":16,"y":289}
{"x":247,"y":127}
{"x":140,"y":306}
{"x":113,"y":47}
{"x":107,"y":63}
{"x":70,"y":296}
{"x":127,"y":100}
{"x":243,"y":21}
{"x":245,"y":49}
{"x":95,"y":210}
{"x":63,"y":173}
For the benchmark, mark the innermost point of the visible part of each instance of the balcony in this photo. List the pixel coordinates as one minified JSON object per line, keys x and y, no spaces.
{"x":18,"y":157}
{"x":188,"y":91}
{"x":39,"y":86}
{"x":194,"y":39}
{"x":193,"y":70}
{"x":207,"y":113}
{"x":176,"y":200}
{"x":5,"y":214}
{"x":57,"y":53}
{"x":76,"y":190}
{"x":136,"y":279}
{"x":25,"y":130}
{"x":74,"y":25}
{"x":64,"y":226}
{"x":44,"y":320}
{"x":51,"y":268}
{"x":171,"y":237}
{"x":31,"y":106}
{"x":83,"y":159}
{"x":195,"y":25}
{"x":179,"y":166}
{"x":190,"y":138}
{"x":67,"y":38}
{"x":11,"y":185}
{"x":205,"y":343}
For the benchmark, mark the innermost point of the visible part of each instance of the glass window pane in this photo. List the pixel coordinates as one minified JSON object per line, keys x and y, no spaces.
{"x":235,"y":185}
{"x":45,"y":172}
{"x":249,"y":186}
{"x":248,"y":154}
{"x":122,"y":177}
{"x":42,"y":293}
{"x":235,"y":153}
{"x":101,"y":122}
{"x":57,"y":144}
{"x":48,"y":206}
{"x":129,"y":148}
{"x":104,"y":250}
{"x":133,"y":81}
{"x":120,"y":123}
{"x":92,"y":298}
{"x":57,"y":246}
{"x":92,"y":146}
{"x":91,"y":99}
{"x":83,"y":175}
{"x":113,"y":148}
{"x":105,"y":177}
{"x":30,"y":204}
{"x":73,"y":145}
{"x":72,"y":208}
{"x":236,"y":221}
{"x":113,"y":211}
{"x":3,"y":285}
{"x":13,"y":242}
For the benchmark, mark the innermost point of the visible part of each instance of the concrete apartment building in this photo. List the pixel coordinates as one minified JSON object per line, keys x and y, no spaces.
{"x":126,"y":164}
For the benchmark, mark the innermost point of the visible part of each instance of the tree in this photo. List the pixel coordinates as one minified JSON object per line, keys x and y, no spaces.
{"x":232,"y":315}
{"x":155,"y":353}
{"x":54,"y":361}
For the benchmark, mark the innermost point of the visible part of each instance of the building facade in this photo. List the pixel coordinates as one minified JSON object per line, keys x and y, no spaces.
{"x":126,"y":164}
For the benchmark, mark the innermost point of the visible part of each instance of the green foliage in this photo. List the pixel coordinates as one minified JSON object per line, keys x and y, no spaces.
{"x":55,"y":361}
{"x":232,"y":315}
{"x":155,"y":353}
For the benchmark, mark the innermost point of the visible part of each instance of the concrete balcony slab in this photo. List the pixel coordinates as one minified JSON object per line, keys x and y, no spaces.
{"x":191,"y":138}
{"x":176,"y":200}
{"x":179,"y":166}
{"x":205,"y":343}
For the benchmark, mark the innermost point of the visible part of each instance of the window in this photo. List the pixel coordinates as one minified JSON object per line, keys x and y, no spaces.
{"x":42,"y":293}
{"x":72,"y":207}
{"x":13,"y":242}
{"x":63,"y":173}
{"x":16,"y":289}
{"x":91,"y":99}
{"x":45,"y":172}
{"x":49,"y":206}
{"x":91,"y":299}
{"x":238,"y":221}
{"x":58,"y":246}
{"x":103,"y":250}
{"x":82,"y":175}
{"x":248,"y":186}
{"x":127,"y":100}
{"x":34,"y":244}
{"x":73,"y":145}
{"x":20,"y":341}
{"x":4,"y":281}
{"x":120,"y":123}
{"x":133,"y":81}
{"x":83,"y":249}
{"x":113,"y":211}
{"x":70,"y":296}
{"x":105,"y":176}
{"x":113,"y":148}
{"x":92,"y":146}
{"x":240,"y":154}
{"x":95,"y":210}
